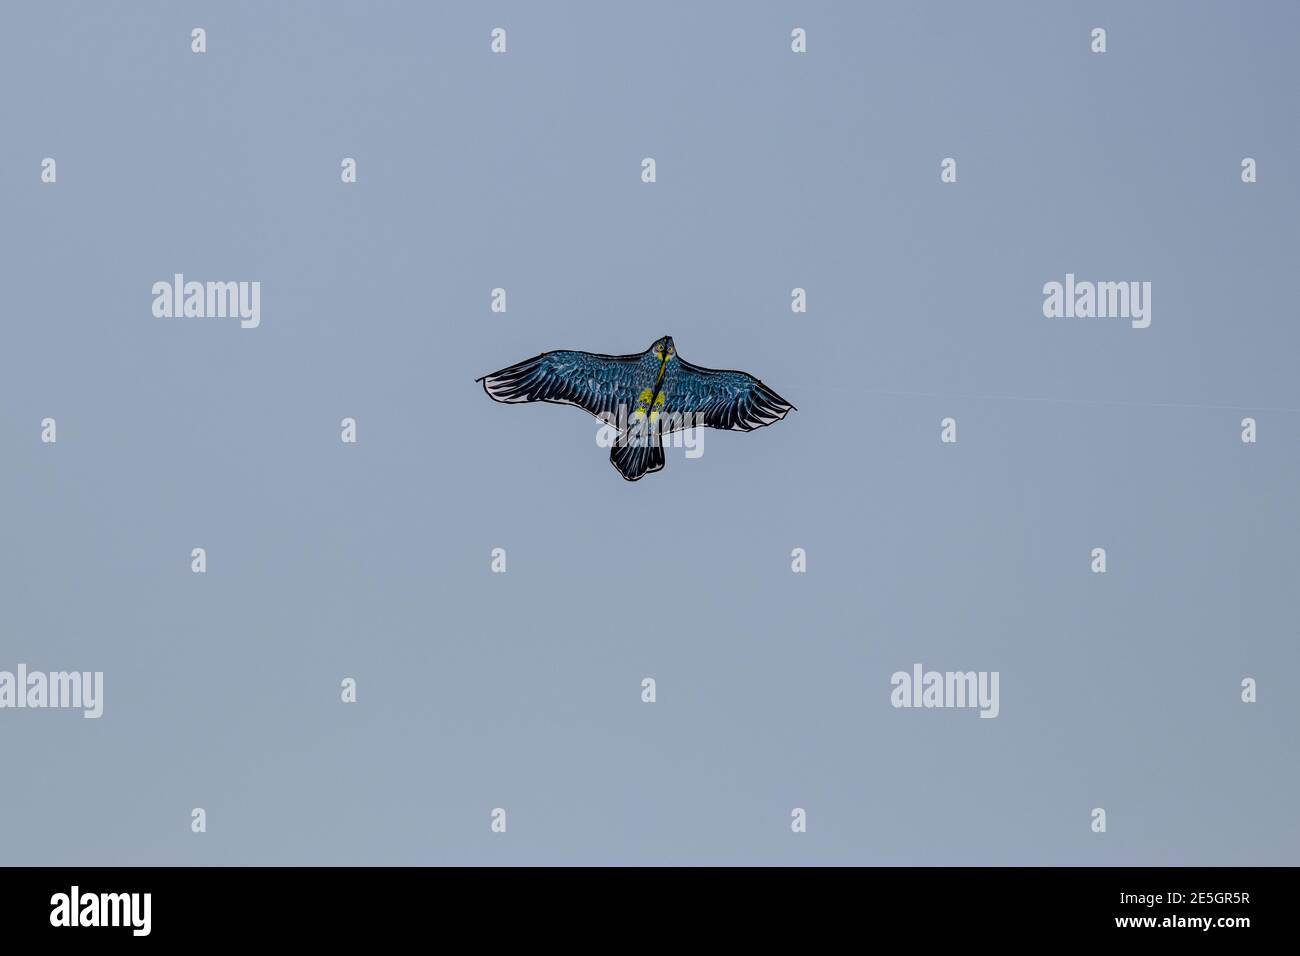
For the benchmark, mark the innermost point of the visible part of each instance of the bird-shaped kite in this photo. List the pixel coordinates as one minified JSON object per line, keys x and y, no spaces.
{"x":644,"y":397}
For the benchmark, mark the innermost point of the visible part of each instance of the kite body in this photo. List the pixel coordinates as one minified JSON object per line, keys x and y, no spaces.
{"x":643,"y":396}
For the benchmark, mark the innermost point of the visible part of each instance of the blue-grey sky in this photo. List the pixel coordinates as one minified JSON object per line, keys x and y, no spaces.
{"x":522,"y":690}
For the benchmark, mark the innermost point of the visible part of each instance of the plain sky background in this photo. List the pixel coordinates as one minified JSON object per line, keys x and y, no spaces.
{"x":775,"y":170}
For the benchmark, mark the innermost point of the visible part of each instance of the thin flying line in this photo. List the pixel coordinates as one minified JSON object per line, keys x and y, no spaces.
{"x":1049,"y":401}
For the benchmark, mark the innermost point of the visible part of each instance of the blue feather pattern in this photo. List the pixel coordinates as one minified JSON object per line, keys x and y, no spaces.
{"x":667,"y":392}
